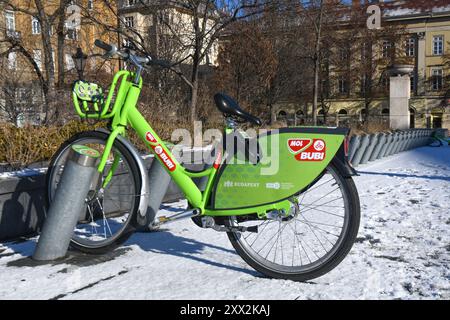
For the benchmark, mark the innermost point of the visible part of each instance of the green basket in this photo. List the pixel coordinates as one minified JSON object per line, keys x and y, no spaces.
{"x":89,"y":99}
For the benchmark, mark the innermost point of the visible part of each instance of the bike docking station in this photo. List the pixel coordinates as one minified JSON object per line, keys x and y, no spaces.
{"x":69,"y":203}
{"x":159,"y":181}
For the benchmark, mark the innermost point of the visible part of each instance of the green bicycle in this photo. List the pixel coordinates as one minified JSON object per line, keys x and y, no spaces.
{"x":291,"y":211}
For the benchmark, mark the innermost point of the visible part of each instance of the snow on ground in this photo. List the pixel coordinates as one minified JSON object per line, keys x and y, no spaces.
{"x":402,"y":251}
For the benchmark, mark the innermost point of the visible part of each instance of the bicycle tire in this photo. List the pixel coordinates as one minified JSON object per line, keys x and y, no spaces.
{"x":131,"y":223}
{"x":268,"y":269}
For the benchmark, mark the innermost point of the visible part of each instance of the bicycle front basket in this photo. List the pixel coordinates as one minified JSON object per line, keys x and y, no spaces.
{"x":88,"y":99}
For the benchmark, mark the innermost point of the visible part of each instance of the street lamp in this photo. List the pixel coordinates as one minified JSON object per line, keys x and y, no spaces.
{"x":80,"y":62}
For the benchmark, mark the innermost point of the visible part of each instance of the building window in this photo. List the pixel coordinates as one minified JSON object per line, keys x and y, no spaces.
{"x":386,"y":49}
{"x":364,"y":83}
{"x":12,"y":60}
{"x":69,"y":62}
{"x":281,"y":115}
{"x":342,"y":85}
{"x":129,"y":3}
{"x":90,"y":4}
{"x":129,"y":22}
{"x":71,"y":34}
{"x":127,"y":43}
{"x":436,"y":79}
{"x":10,"y":21}
{"x":412,"y":81}
{"x":438,"y":45}
{"x":410,"y":47}
{"x":365,"y":51}
{"x":35,"y":26}
{"x":37,"y":56}
{"x":344,"y":54}
{"x":342,"y":113}
{"x":385,"y":83}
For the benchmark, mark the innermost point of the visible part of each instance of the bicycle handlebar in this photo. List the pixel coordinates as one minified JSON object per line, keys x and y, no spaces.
{"x":103,"y":45}
{"x":137,"y":60}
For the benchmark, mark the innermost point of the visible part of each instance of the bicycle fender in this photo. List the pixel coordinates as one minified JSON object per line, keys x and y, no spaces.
{"x":292,"y":159}
{"x":345,"y":168}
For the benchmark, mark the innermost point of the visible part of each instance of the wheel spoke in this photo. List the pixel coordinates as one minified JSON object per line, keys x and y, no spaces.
{"x":316,"y":226}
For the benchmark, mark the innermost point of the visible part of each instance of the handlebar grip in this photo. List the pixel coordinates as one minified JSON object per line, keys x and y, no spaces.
{"x":103,"y":45}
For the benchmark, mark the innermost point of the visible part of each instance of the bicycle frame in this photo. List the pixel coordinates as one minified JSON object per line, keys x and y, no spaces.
{"x":125,"y":112}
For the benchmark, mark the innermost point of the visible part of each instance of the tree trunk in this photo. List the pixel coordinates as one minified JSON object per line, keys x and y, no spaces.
{"x":193,"y":101}
{"x":60,"y":49}
{"x":317,"y":62}
{"x":315,"y":90}
{"x":48,"y":61}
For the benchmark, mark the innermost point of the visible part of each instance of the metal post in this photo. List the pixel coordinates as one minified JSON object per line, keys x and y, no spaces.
{"x":386,"y":145}
{"x":377,"y":149}
{"x":353,"y":146}
{"x":370,"y":147}
{"x":362,"y":148}
{"x":399,"y":143}
{"x":392,"y":145}
{"x":69,"y":203}
{"x":159,"y":181}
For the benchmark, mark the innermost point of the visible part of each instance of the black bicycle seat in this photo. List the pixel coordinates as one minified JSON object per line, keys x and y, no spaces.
{"x":230,"y":107}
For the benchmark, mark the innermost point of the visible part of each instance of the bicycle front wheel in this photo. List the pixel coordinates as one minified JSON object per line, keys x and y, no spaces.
{"x":111,"y":209}
{"x":313,"y":239}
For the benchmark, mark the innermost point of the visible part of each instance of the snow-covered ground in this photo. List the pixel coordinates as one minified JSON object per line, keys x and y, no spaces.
{"x":402,"y":251}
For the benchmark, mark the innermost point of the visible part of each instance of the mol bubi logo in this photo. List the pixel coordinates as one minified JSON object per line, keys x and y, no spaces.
{"x":307,"y":149}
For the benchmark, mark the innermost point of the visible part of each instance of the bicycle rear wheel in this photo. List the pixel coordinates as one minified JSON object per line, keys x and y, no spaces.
{"x":316,"y":236}
{"x":111,"y":211}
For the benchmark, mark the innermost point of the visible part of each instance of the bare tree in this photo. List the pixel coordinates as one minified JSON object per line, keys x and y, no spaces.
{"x":246,"y":75}
{"x":187,"y":33}
{"x":17,"y":95}
{"x":48,"y":14}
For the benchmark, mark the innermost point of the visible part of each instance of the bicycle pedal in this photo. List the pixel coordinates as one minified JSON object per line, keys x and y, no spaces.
{"x":253,"y":229}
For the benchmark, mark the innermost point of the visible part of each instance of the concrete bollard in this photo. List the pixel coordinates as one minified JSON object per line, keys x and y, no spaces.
{"x":386,"y":145}
{"x":425,"y":139}
{"x":68,"y":204}
{"x":429,"y":140}
{"x":391,"y":144}
{"x":377,"y":149}
{"x":401,"y":138}
{"x":410,"y":139}
{"x":402,"y":141}
{"x":408,"y":142}
{"x":416,"y":139}
{"x":395,"y":137}
{"x":353,"y":146}
{"x":405,"y":143}
{"x":373,"y":141}
{"x":361,"y":149}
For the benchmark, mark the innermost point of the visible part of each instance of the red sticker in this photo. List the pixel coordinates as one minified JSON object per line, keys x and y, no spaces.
{"x":315,"y":152}
{"x":149,"y":137}
{"x":297,"y":145}
{"x":218,"y":160}
{"x":162,"y":154}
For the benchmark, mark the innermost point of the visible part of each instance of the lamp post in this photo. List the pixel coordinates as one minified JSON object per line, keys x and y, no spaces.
{"x":80,"y":62}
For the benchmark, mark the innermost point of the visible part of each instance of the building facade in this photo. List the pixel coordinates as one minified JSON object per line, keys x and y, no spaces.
{"x":426,"y":47}
{"x":165,"y":29}
{"x":22,"y":41}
